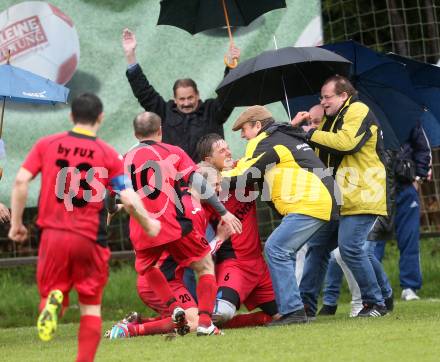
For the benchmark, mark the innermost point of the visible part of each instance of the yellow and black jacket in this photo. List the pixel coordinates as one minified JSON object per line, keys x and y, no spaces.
{"x":351,"y":143}
{"x":294,"y":177}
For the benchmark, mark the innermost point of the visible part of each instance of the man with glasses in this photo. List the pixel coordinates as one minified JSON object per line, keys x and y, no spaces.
{"x":349,"y":142}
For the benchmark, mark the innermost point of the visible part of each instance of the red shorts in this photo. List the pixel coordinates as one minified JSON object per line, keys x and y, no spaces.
{"x":192,"y":247}
{"x":249,"y":278}
{"x":67,"y":260}
{"x":150,"y":298}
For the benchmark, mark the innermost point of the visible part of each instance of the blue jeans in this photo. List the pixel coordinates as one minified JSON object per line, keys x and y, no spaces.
{"x":381,"y":276}
{"x":332,"y":283}
{"x":334,"y":275}
{"x":350,"y":234}
{"x":280,"y":249}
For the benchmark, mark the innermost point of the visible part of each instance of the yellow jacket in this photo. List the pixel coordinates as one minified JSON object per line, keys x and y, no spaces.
{"x":286,"y":164}
{"x":351,"y":143}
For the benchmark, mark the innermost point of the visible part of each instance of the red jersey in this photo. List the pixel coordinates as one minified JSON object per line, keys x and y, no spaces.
{"x":158,"y":173}
{"x":247,"y":245}
{"x":76,"y":168}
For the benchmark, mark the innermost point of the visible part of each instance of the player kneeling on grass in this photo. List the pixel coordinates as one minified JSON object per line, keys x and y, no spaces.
{"x":160,"y":173}
{"x":134,"y":324}
{"x":242,"y":274}
{"x":76,"y":168}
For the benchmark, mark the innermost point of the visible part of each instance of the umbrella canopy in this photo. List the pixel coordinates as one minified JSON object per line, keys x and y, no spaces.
{"x":426,"y":80}
{"x":19,"y":85}
{"x":386,"y":85}
{"x":195,"y":16}
{"x":275,"y":74}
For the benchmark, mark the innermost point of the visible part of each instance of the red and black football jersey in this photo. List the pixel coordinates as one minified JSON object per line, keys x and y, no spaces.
{"x":159,"y":172}
{"x":76,"y":168}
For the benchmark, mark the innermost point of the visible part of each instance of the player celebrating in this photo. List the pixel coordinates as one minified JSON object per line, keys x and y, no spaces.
{"x":158,"y":171}
{"x":76,"y":168}
{"x":242,"y":273}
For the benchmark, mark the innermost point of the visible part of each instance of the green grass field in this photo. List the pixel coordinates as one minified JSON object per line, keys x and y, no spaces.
{"x":408,"y":334}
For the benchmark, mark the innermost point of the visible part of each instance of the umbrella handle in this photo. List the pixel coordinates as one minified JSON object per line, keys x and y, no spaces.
{"x":231,"y":63}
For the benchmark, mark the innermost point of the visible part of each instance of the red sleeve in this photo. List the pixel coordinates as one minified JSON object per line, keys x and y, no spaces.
{"x":34,"y":159}
{"x":186,"y":165}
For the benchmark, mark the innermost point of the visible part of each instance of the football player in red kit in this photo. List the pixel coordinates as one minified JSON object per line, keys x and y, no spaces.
{"x":241,"y":272}
{"x":159,"y":173}
{"x":76,"y":168}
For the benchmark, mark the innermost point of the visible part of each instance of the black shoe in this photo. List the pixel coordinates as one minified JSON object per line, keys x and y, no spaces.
{"x":299,"y":316}
{"x":328,"y":309}
{"x":389,"y":303}
{"x":311,"y":316}
{"x":373,"y":310}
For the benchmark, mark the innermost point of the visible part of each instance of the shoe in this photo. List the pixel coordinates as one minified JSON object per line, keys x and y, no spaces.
{"x":119,"y":330}
{"x":409,"y":294}
{"x":311,"y":316}
{"x":180,"y":323}
{"x":212,"y":330}
{"x":356,"y":307}
{"x":132,"y":317}
{"x":296,"y":317}
{"x":389,"y":303}
{"x":48,"y":318}
{"x":373,"y":310}
{"x":328,"y":310}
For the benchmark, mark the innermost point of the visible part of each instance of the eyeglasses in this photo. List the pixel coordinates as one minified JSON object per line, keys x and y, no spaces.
{"x":327,"y":97}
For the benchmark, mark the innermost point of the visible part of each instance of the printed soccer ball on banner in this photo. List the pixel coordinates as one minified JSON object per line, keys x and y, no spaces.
{"x":41,"y":39}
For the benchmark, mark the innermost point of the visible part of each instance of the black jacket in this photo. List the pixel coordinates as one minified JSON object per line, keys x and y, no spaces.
{"x":383,"y":226}
{"x":179,"y":129}
{"x":417,"y":148}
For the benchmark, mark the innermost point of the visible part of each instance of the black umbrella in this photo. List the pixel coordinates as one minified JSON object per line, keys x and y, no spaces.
{"x":195,"y":16}
{"x":280,"y":74}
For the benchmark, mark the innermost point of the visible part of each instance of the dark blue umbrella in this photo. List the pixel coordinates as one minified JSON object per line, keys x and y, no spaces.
{"x":385,"y":86}
{"x":19,"y":85}
{"x":426,"y":80}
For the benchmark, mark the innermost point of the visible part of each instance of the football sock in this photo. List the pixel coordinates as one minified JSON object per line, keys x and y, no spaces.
{"x":157,"y":281}
{"x":248,"y":320}
{"x":160,"y":326}
{"x":89,"y":336}
{"x":206,"y":293}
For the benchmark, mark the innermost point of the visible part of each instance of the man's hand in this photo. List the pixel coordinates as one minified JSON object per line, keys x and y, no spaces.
{"x":154,"y":227}
{"x":129,"y":44}
{"x":232,"y":56}
{"x":5,"y":215}
{"x":18,"y":233}
{"x":224,"y":231}
{"x":300,"y":117}
{"x":232,"y":222}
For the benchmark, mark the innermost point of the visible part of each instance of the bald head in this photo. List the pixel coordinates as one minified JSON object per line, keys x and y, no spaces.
{"x":147,"y":125}
{"x":316,"y":115}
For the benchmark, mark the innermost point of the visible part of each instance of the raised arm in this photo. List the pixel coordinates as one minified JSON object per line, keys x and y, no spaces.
{"x":146,"y":95}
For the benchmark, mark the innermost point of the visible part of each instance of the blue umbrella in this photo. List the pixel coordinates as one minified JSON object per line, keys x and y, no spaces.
{"x":426,"y":80}
{"x":385,"y":86}
{"x":19,"y":85}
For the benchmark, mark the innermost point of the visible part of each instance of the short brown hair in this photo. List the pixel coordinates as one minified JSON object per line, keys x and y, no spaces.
{"x":342,"y":84}
{"x":184,"y":83}
{"x":146,"y":124}
{"x":204,"y":145}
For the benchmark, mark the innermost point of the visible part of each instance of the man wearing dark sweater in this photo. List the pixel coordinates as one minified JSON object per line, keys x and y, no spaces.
{"x":186,"y":118}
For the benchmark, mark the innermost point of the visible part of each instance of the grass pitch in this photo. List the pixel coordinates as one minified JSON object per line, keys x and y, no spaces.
{"x":410,"y":333}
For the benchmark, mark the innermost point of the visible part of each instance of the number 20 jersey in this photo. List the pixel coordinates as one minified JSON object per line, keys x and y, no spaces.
{"x":76,"y":168}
